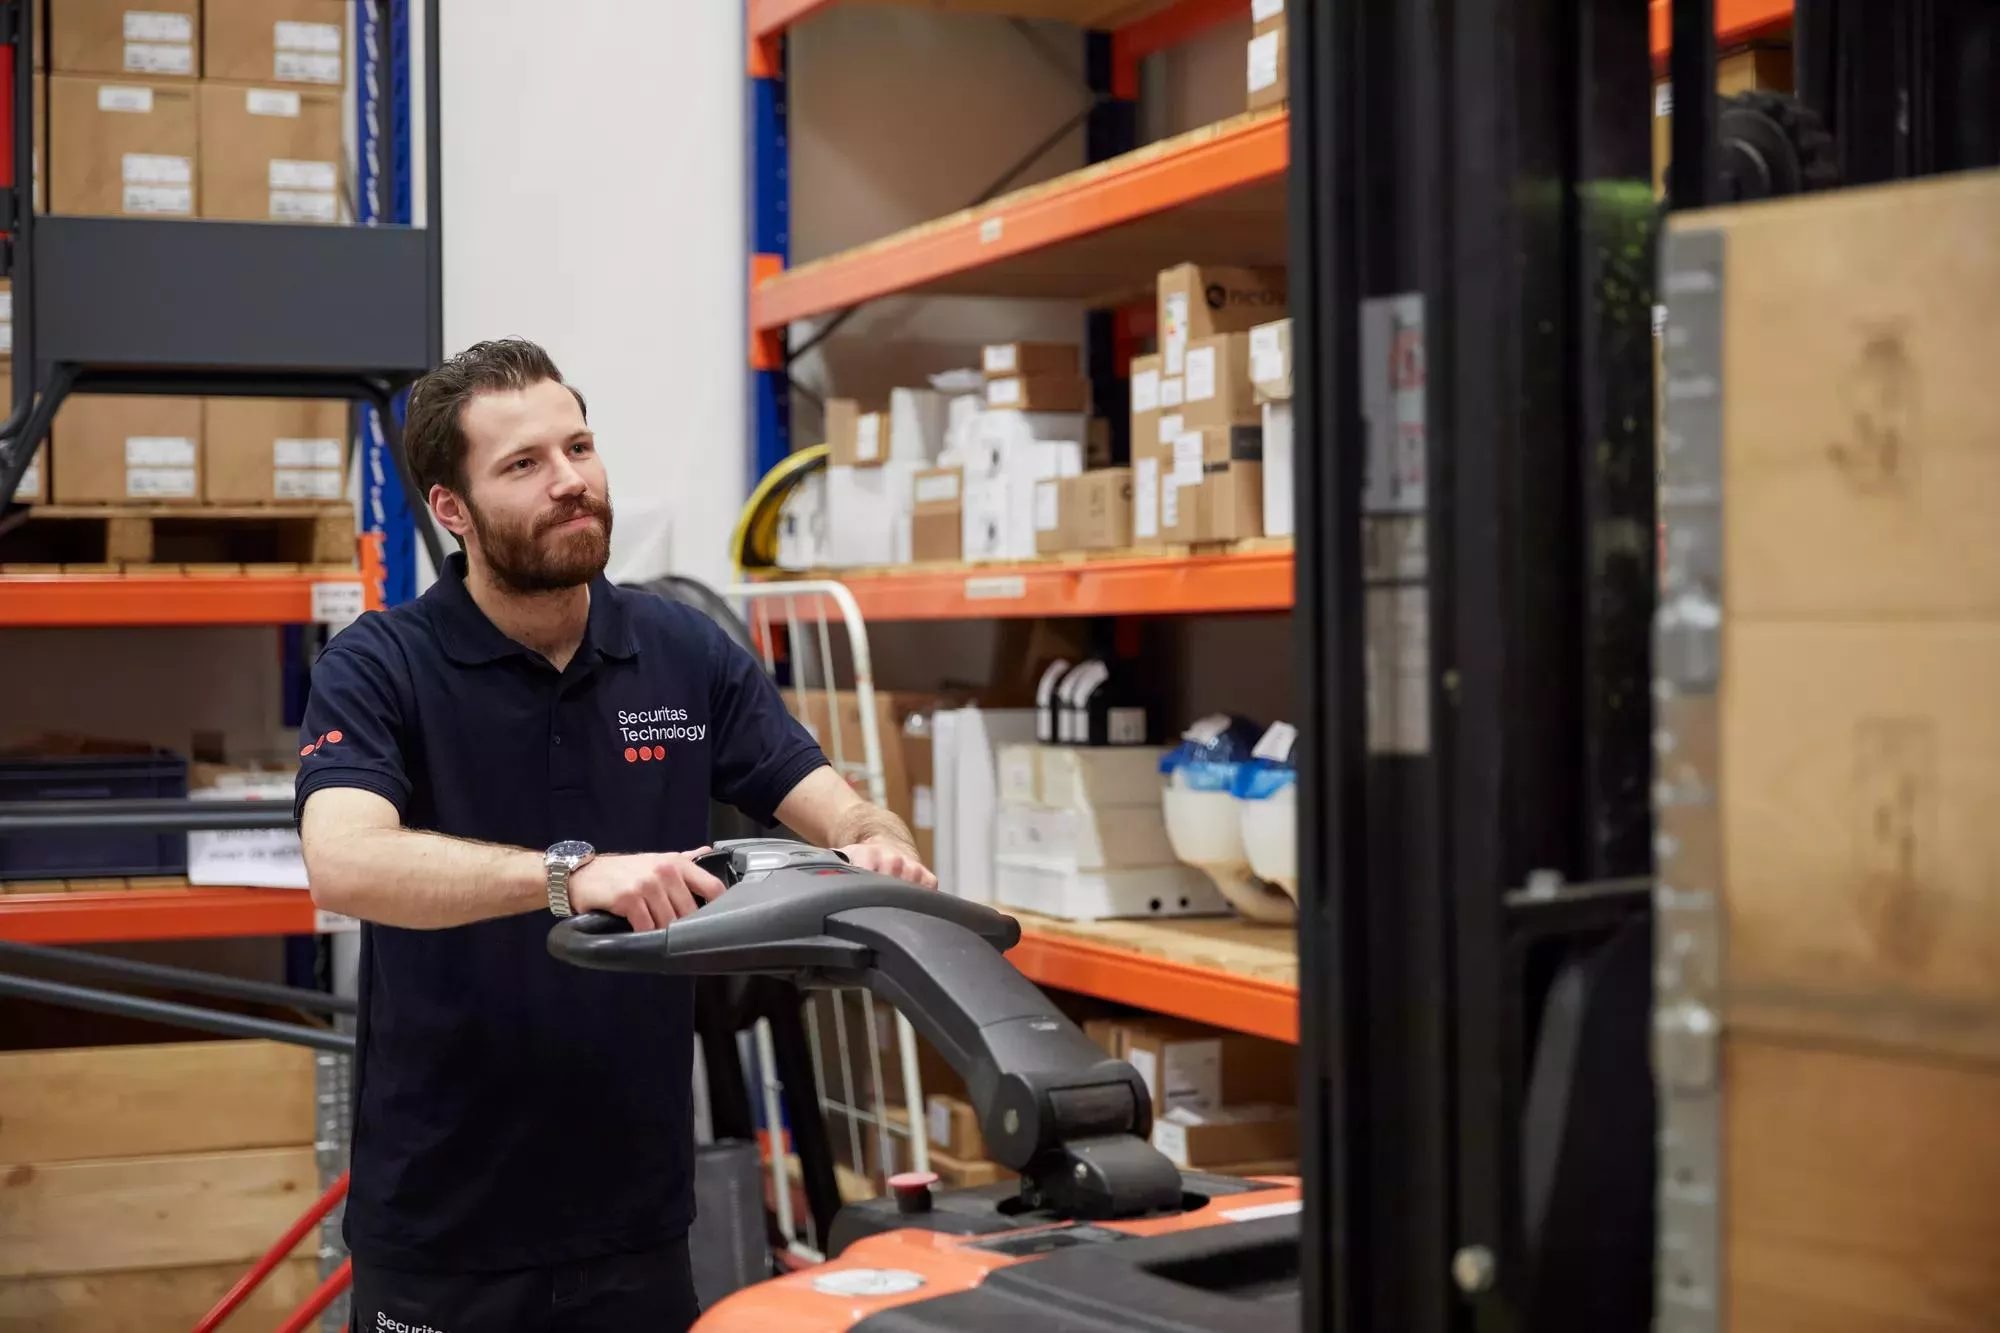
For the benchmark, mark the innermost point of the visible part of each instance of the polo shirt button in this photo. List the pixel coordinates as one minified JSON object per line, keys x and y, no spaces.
{"x":558,"y":740}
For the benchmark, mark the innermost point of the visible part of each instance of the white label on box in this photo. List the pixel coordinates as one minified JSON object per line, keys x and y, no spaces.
{"x":304,"y":206}
{"x":868,"y":437}
{"x":1170,"y":501}
{"x":1000,"y":359}
{"x":1170,"y":427}
{"x":289,"y":174}
{"x":1187,"y":460}
{"x":117,"y":97}
{"x":1267,"y":354}
{"x":165,"y":199}
{"x":1146,"y":498}
{"x":7,"y":336}
{"x":1147,"y":1069}
{"x":157,"y":58}
{"x":1047,"y":509}
{"x":990,"y":230}
{"x":923,"y":806}
{"x":1201,"y":375}
{"x":1192,"y":1079}
{"x":306,"y":453}
{"x":157,"y":169}
{"x":1171,"y":1139}
{"x":159,"y":451}
{"x":1265,"y":9}
{"x":1172,"y":390}
{"x":149,"y":25}
{"x":940,"y":1122}
{"x":1174,"y":338}
{"x":938,"y":489}
{"x":30,"y":483}
{"x":1003,"y":393}
{"x":272,"y":102}
{"x":159,"y":483}
{"x":1663,"y":100}
{"x":1125,"y":726}
{"x":7,"y":306}
{"x":298,"y":67}
{"x":338,"y":601}
{"x":293,"y":36}
{"x":1276,"y":743}
{"x":1146,"y":391}
{"x":293,"y":483}
{"x":1263,"y":61}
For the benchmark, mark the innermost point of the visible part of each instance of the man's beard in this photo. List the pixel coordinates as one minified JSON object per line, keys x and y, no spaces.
{"x":531,"y":560}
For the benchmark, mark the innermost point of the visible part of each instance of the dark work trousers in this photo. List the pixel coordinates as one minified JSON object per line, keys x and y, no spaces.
{"x":650,"y":1292}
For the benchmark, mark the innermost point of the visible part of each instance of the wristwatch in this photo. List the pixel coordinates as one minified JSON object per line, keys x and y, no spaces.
{"x":564,"y":859}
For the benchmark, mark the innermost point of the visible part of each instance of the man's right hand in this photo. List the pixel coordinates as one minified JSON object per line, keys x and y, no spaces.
{"x":648,"y":890}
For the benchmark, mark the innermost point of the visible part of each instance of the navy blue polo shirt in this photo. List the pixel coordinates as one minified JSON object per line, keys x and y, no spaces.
{"x":511,"y":1110}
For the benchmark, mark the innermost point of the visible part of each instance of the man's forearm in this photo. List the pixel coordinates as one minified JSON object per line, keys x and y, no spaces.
{"x":424,"y":881}
{"x":864,"y":823}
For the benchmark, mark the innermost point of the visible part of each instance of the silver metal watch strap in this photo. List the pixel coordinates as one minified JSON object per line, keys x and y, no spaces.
{"x":559,"y":889}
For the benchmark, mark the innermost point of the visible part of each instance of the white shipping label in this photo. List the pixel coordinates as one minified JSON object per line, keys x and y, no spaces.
{"x":1265,"y":9}
{"x":158,"y":58}
{"x":1125,"y":726}
{"x":1192,"y":1078}
{"x":1201,"y":374}
{"x":1263,"y":61}
{"x":323,"y":452}
{"x":1267,"y":354}
{"x":1172,"y":389}
{"x":157,"y":169}
{"x":1187,"y":459}
{"x":1170,"y":501}
{"x":923,"y":807}
{"x":1170,"y":1138}
{"x":940,"y":1118}
{"x":1003,"y":393}
{"x":159,"y":451}
{"x":30,"y":483}
{"x":1148,"y":1070}
{"x":1174,"y":338}
{"x":1276,"y":743}
{"x":1663,"y":100}
{"x":939,"y":489}
{"x":7,"y":336}
{"x":159,"y":483}
{"x":177,"y":200}
{"x":298,"y":67}
{"x":117,"y":97}
{"x":323,"y":38}
{"x":1000,"y":359}
{"x":291,"y":483}
{"x":1047,"y":512}
{"x":1170,"y":427}
{"x":1146,"y":391}
{"x":291,"y":174}
{"x":868,"y":437}
{"x":338,"y":601}
{"x":151,"y":25}
{"x":272,"y":102}
{"x":7,"y":305}
{"x":304,"y":206}
{"x":1146,"y":498}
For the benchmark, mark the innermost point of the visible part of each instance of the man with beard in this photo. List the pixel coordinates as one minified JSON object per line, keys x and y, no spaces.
{"x":523,"y":742}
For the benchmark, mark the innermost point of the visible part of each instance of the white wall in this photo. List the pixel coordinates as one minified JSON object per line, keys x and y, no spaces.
{"x":593,"y":162}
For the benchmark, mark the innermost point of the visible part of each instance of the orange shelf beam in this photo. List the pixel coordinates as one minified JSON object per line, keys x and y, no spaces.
{"x":1735,"y":21}
{"x":153,"y":914}
{"x":1223,"y":999}
{"x":1101,"y":197}
{"x":163,"y":599}
{"x":768,"y":18}
{"x":1140,"y":585}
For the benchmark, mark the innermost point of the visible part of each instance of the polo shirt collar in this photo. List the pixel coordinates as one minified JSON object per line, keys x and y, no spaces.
{"x":470,"y":639}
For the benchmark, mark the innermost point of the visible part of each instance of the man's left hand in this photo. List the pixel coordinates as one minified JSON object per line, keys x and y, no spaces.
{"x":890,"y":858}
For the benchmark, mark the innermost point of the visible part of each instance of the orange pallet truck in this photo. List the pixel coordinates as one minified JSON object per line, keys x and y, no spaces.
{"x":1103,"y":1231}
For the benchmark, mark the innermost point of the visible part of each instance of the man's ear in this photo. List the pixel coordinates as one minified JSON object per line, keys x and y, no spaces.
{"x":450,"y":512}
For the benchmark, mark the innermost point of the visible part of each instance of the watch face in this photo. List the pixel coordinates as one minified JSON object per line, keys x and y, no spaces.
{"x":570,"y":851}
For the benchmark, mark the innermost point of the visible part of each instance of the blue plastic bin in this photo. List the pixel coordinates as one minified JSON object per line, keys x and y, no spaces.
{"x":87,"y":853}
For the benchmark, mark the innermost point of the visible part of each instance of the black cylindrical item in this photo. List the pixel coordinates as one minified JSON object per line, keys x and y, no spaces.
{"x":1105,"y":709}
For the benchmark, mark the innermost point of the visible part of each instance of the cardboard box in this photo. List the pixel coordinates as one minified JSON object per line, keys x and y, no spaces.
{"x":1097,"y":509}
{"x":263,"y":450}
{"x":937,"y":515}
{"x":1197,"y":451}
{"x":1145,"y":396}
{"x":1196,"y":302}
{"x":855,"y":438}
{"x":1218,"y":391}
{"x":270,"y":154}
{"x":954,"y":1126}
{"x":1040,"y":393}
{"x":1270,"y":64}
{"x":1180,"y":507}
{"x":1279,"y":504}
{"x":1191,"y":1067}
{"x":1232,"y":501}
{"x":1034,"y":359}
{"x":275,"y":41}
{"x":122,"y":148}
{"x":920,"y":762}
{"x":1230,"y":1134}
{"x":119,"y":449}
{"x":842,"y":742}
{"x":152,"y":40}
{"x":868,"y":515}
{"x":1051,"y":524}
{"x":1271,"y":361}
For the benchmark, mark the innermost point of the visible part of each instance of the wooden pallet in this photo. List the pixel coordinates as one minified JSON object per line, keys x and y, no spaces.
{"x":97,"y":884}
{"x":79,"y":539}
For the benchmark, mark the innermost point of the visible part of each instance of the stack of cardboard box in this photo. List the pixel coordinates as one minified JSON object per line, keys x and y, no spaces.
{"x":1270,"y":62}
{"x":215,"y":109}
{"x":874,"y":458}
{"x":1222,"y":1101}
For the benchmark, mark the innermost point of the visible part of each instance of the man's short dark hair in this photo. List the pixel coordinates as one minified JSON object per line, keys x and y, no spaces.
{"x":433,"y":433}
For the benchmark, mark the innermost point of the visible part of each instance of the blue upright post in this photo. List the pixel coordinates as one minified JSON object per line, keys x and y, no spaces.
{"x":770,"y":248}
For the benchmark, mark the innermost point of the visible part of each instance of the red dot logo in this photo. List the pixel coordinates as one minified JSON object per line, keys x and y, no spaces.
{"x":333,"y":738}
{"x":646,"y":752}
{"x":631,"y":755}
{"x":305,"y":750}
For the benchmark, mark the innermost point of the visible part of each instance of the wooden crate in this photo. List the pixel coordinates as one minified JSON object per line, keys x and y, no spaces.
{"x":1830,"y":763}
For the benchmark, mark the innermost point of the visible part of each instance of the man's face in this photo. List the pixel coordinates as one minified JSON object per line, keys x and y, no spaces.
{"x":539,"y":509}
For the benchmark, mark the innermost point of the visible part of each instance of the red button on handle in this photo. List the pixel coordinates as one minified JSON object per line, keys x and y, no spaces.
{"x":913,"y":1190}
